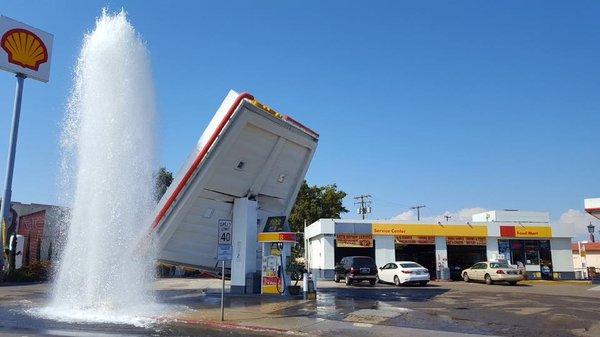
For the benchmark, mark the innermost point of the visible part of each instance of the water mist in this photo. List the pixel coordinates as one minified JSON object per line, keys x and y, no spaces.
{"x":105,"y":272}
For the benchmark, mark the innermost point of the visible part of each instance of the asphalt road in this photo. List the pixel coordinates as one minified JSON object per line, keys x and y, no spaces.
{"x":544,"y":309}
{"x":440,"y":309}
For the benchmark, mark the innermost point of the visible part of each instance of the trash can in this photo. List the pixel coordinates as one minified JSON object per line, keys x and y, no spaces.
{"x":253,"y":283}
{"x":445,"y":274}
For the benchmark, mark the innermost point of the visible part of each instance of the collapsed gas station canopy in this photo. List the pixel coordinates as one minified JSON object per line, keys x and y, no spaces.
{"x":247,"y":151}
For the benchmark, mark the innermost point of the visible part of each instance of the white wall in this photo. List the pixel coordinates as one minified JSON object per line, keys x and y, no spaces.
{"x":591,"y":260}
{"x":385,"y":250}
{"x":316,"y":252}
{"x":562,"y":256}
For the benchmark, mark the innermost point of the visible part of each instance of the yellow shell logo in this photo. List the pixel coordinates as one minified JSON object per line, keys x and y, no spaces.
{"x":24,"y":48}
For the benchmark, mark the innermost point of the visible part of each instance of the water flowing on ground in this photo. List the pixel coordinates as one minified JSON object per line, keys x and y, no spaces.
{"x":106,"y":271}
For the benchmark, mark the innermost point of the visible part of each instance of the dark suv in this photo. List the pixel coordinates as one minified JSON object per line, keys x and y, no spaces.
{"x":356,"y":268}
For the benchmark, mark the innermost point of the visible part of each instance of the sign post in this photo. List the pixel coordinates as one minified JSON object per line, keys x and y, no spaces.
{"x":25,"y":51}
{"x":224,"y":253}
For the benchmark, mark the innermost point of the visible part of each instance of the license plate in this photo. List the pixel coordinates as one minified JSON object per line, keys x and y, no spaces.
{"x":365,"y":270}
{"x":512,"y":272}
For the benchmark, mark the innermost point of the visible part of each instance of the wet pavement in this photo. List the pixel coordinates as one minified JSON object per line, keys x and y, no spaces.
{"x":440,"y":309}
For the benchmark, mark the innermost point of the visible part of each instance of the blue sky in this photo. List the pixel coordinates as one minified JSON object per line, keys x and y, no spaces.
{"x":455,"y":104}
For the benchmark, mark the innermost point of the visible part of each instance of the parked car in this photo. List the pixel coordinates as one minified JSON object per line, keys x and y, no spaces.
{"x":404,"y":272}
{"x":356,"y":269}
{"x":491,"y":272}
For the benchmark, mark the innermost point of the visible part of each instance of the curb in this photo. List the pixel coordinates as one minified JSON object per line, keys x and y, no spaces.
{"x":234,"y":326}
{"x":557,"y":282}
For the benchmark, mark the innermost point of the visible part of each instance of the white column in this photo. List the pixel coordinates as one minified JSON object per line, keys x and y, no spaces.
{"x":385,"y":250}
{"x":245,"y":242}
{"x":441,"y":255}
{"x":491,"y":247}
{"x":328,"y":256}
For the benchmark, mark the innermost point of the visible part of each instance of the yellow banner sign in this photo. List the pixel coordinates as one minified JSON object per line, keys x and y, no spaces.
{"x":354,"y":240}
{"x":429,"y":230}
{"x":526,"y":231}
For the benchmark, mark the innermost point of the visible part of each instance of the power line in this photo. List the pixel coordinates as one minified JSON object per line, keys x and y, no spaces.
{"x":418,"y":208}
{"x":364,"y":200}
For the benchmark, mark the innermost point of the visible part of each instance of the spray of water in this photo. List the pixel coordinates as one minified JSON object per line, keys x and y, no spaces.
{"x":105,"y":271}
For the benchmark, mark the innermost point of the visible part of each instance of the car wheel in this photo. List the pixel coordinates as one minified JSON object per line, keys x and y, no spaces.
{"x":512,"y":283}
{"x":397,"y":281}
{"x":423,"y":283}
{"x":488,"y":279}
{"x":466,"y":277}
{"x":336,"y":278}
{"x":348,"y":281}
{"x":372,"y":282}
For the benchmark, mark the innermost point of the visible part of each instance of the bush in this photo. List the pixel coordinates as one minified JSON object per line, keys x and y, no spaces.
{"x":34,"y":272}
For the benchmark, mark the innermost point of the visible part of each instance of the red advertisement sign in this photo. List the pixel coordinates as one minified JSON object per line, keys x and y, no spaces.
{"x":270,"y":280}
{"x":354,"y":240}
{"x":415,"y":240}
{"x":465,"y":241}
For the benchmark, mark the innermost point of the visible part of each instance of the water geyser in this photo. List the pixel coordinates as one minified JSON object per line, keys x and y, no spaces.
{"x":105,"y":271}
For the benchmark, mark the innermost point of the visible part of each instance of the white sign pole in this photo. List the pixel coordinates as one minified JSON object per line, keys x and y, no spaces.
{"x":224,"y":250}
{"x":223,"y":290}
{"x":10,"y":164}
{"x":25,"y":51}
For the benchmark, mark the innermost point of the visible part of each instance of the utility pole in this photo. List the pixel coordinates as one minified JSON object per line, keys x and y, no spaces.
{"x":447,"y":217}
{"x":418,"y":208}
{"x":364,"y":203}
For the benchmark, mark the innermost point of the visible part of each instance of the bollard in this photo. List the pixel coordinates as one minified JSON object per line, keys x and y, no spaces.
{"x":305,"y":285}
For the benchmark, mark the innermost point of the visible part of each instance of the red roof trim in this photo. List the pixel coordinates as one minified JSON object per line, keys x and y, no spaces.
{"x":589,"y":247}
{"x":590,"y":210}
{"x":199,"y":158}
{"x":300,"y":126}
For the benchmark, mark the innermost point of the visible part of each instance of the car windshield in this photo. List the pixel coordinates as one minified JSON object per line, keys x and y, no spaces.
{"x":411,"y":265}
{"x":363,"y":262}
{"x":497,"y":265}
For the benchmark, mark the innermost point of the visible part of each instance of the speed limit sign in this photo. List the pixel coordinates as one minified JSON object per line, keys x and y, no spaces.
{"x":224,"y":237}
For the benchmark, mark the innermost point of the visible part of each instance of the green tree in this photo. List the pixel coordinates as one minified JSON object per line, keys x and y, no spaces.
{"x":314,"y":203}
{"x":164,"y":178}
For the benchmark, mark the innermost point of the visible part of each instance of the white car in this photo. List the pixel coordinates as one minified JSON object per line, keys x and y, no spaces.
{"x":403,"y":272}
{"x":491,"y":272}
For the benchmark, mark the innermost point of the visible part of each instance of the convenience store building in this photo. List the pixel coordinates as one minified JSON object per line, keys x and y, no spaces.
{"x":524,"y":239}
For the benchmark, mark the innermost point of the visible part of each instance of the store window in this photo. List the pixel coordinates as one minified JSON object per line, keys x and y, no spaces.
{"x":532,"y":252}
{"x":504,"y":249}
{"x":517,"y":252}
{"x":526,"y":252}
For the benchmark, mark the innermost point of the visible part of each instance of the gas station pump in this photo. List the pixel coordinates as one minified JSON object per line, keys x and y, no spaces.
{"x":276,"y":241}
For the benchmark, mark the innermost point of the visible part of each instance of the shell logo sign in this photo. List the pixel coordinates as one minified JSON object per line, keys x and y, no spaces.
{"x":24,"y":49}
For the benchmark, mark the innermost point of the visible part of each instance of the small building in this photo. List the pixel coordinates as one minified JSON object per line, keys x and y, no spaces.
{"x":586,"y":256}
{"x":524,"y":239}
{"x":39,"y":224}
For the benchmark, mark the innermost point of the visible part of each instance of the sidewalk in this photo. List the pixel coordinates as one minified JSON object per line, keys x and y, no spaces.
{"x":278,"y":315}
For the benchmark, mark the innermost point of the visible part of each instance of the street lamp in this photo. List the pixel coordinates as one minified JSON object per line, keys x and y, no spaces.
{"x":591,"y":229}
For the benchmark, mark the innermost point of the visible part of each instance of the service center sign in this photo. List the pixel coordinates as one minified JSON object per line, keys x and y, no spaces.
{"x":24,"y":49}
